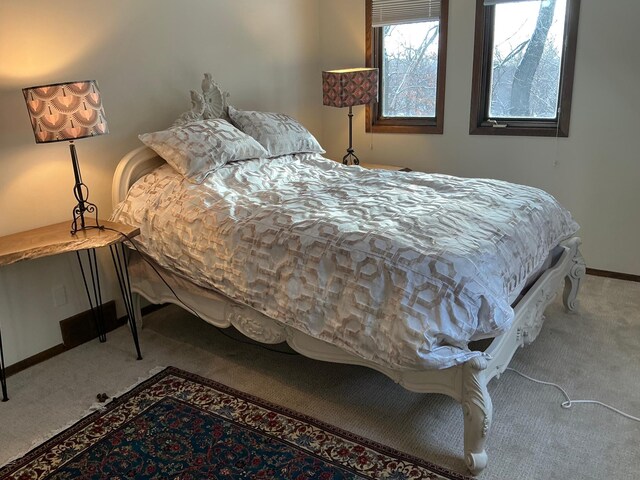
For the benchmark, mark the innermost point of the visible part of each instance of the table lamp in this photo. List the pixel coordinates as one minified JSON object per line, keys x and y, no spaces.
{"x":67,"y":112}
{"x":346,"y":88}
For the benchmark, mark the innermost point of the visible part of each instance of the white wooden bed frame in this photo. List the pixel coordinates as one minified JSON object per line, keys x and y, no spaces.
{"x":466,"y":383}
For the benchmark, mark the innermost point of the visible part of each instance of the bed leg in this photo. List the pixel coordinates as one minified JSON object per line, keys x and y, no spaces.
{"x":573,"y":280}
{"x":478,"y":410}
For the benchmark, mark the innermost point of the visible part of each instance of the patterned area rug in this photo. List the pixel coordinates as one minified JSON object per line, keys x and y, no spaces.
{"x":181,"y":426}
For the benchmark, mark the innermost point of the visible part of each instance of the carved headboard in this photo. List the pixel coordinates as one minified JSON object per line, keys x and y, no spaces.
{"x":211,"y":103}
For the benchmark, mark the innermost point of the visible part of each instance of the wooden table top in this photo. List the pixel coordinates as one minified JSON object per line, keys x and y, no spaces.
{"x":55,"y":239}
{"x":380,"y":166}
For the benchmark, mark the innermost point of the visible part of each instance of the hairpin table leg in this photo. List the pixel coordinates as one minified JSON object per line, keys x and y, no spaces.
{"x":96,"y":311}
{"x":3,"y":373}
{"x":122,"y":271}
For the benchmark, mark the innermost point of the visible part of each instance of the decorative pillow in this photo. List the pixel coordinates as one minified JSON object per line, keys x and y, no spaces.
{"x":280,"y":134}
{"x":198,"y":148}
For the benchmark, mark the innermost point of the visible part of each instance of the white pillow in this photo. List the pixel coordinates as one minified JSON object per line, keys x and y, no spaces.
{"x":198,"y":148}
{"x":280,"y":134}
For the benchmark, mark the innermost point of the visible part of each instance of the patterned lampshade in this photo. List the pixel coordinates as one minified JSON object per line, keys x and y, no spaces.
{"x":65,"y":111}
{"x":349,"y":87}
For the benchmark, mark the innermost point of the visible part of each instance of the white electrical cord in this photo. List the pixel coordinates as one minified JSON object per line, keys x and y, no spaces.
{"x":568,"y":403}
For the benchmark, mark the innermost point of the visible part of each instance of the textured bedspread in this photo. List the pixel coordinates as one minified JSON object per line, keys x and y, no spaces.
{"x":403,"y":269}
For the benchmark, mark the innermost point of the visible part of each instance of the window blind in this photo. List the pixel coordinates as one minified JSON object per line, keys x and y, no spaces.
{"x":394,"y":12}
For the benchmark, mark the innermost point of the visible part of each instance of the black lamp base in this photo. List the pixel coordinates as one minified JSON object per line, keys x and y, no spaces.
{"x":79,"y":211}
{"x":81,"y":192}
{"x":350,"y":158}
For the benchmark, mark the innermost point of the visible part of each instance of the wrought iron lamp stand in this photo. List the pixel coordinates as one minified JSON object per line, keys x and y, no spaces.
{"x":350,"y":156}
{"x":81,"y":192}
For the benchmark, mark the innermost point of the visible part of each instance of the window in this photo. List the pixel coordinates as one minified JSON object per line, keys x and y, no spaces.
{"x":523,"y":67}
{"x":406,"y":41}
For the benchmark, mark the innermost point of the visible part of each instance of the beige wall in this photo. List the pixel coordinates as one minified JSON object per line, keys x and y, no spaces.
{"x":595,"y":172}
{"x":146,"y":55}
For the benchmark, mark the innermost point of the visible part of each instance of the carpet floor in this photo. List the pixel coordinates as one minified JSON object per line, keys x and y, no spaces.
{"x":592,"y":354}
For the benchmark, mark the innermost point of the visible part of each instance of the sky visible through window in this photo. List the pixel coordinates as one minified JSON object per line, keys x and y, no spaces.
{"x":515,"y":22}
{"x":409,"y":35}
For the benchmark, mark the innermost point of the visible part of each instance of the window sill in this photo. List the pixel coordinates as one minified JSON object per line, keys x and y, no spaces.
{"x":404,"y":125}
{"x":403,"y":129}
{"x":519,"y":131}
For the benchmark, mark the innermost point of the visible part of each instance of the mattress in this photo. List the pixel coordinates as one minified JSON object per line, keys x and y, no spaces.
{"x":401,"y":268}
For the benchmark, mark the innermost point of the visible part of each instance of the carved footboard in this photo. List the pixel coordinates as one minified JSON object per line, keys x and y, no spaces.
{"x":465,"y":383}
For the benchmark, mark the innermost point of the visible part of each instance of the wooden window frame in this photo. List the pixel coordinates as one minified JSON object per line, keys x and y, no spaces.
{"x":374,"y":120}
{"x":483,"y":47}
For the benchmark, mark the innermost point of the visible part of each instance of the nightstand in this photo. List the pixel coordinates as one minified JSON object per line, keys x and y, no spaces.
{"x":55,"y":239}
{"x":380,"y":166}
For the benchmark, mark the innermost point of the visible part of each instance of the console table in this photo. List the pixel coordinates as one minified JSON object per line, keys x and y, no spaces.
{"x":56,"y":239}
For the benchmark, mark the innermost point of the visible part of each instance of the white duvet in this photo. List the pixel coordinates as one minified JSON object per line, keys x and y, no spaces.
{"x":402,"y":269}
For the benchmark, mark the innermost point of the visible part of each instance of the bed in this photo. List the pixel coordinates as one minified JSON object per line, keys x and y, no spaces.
{"x":348,"y":277}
